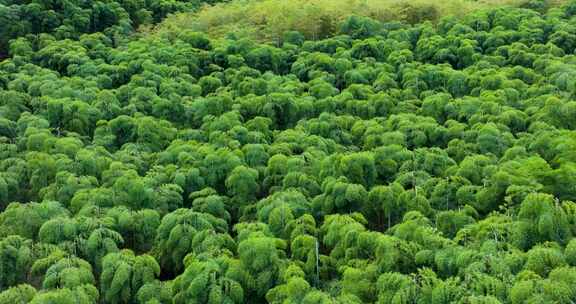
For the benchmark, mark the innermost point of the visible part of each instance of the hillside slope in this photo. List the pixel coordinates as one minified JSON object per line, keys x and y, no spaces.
{"x":267,"y":20}
{"x":389,"y":162}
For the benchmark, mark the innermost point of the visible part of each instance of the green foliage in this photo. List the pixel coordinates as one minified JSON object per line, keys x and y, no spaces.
{"x":211,"y":281}
{"x":15,"y":259}
{"x":541,"y":219}
{"x":185,"y":231}
{"x":320,"y":19}
{"x":373,"y":152}
{"x":260,"y":257}
{"x":23,"y":293}
{"x":123,"y":274}
{"x":68,"y":273}
{"x":76,"y":18}
{"x":86,"y":294}
{"x":26,"y":219}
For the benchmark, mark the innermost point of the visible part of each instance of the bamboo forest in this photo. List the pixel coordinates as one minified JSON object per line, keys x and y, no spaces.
{"x":287,"y":151}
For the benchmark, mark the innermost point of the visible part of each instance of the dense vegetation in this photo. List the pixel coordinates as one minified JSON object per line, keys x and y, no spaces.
{"x":267,"y":20}
{"x":389,"y":162}
{"x":64,"y":19}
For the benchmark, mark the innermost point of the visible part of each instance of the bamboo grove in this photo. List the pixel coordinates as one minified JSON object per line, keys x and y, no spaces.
{"x":390,"y":162}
